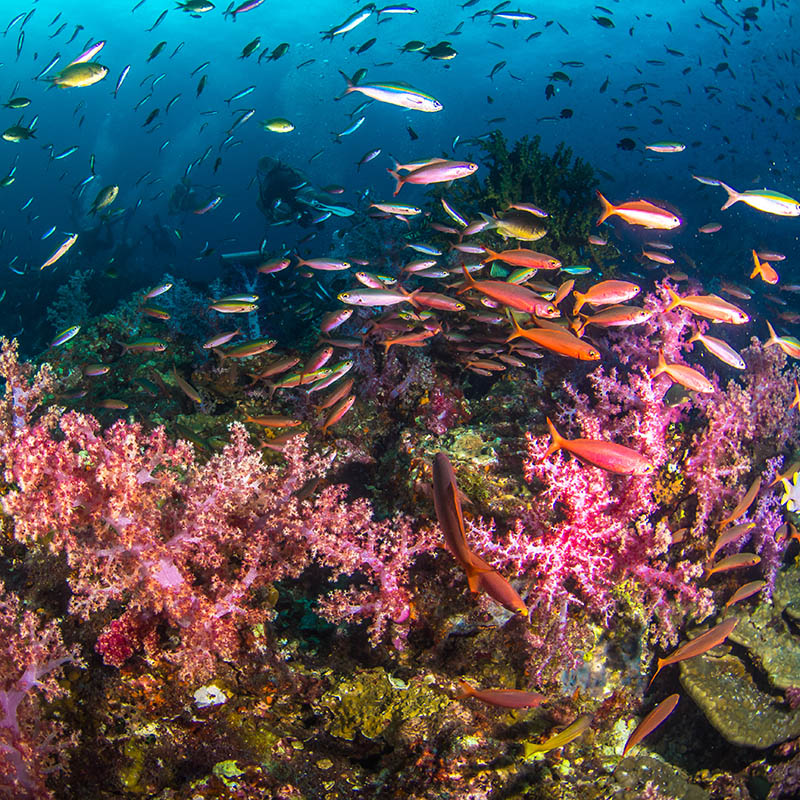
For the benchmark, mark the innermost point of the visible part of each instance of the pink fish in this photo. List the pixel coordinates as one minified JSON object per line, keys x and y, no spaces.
{"x":439,"y":172}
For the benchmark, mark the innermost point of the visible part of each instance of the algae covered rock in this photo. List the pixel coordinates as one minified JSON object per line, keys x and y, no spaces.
{"x":735,"y":705}
{"x":771,"y":644}
{"x":373,"y":703}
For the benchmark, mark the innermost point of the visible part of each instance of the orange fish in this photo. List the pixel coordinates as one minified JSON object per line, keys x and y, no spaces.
{"x":743,"y":592}
{"x":480,"y":575}
{"x":505,"y":698}
{"x":699,"y":645}
{"x":606,"y":293}
{"x":273,"y":421}
{"x":339,"y":410}
{"x":563,"y":291}
{"x":414,"y":339}
{"x":557,"y":341}
{"x":509,"y":294}
{"x":711,"y":306}
{"x":651,"y":722}
{"x":685,"y":376}
{"x":522,"y":258}
{"x":737,"y":561}
{"x":743,"y":504}
{"x":599,"y":453}
{"x":639,"y":212}
{"x":730,"y":535}
{"x":764,"y":269}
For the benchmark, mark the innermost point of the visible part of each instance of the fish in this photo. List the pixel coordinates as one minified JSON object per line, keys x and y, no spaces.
{"x":569,"y":734}
{"x":144,"y":344}
{"x":764,"y":270}
{"x":105,"y":197}
{"x":195,"y":6}
{"x":18,"y":133}
{"x":639,"y":212}
{"x":666,"y":147}
{"x":608,"y":292}
{"x":61,"y":251}
{"x":88,"y":54}
{"x":369,"y":156}
{"x":186,"y":387}
{"x":606,"y":455}
{"x":710,"y":306}
{"x":248,"y":5}
{"x":221,"y":338}
{"x":352,"y":22}
{"x":440,"y":171}
{"x":157,"y":290}
{"x":504,"y":698}
{"x":710,"y":227}
{"x":686,"y":376}
{"x":81,"y":75}
{"x":396,"y":94}
{"x":789,"y":344}
{"x":351,"y":129}
{"x":375,"y":297}
{"x":651,"y":722}
{"x":522,"y":258}
{"x":515,"y":297}
{"x":557,"y":341}
{"x":338,"y":411}
{"x":745,"y":591}
{"x":699,"y":645}
{"x":480,"y":575}
{"x":515,"y":225}
{"x":766,"y":200}
{"x":736,"y":561}
{"x":237,"y":96}
{"x":273,"y":421}
{"x":278,"y":125}
{"x":325,"y":264}
{"x":722,"y":350}
{"x":65,"y":335}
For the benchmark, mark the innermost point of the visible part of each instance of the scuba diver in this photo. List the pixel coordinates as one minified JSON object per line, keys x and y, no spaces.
{"x":285,"y":195}
{"x":192,"y":199}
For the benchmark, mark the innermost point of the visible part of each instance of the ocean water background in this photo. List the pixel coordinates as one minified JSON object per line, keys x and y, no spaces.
{"x":730,"y":98}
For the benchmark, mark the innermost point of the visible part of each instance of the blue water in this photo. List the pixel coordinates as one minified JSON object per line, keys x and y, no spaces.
{"x":737,"y":122}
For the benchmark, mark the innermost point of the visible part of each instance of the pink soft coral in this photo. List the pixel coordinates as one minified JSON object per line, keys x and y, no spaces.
{"x":31,"y":656}
{"x":147,"y":528}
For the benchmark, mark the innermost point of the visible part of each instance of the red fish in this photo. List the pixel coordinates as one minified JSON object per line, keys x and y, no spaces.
{"x":599,"y":453}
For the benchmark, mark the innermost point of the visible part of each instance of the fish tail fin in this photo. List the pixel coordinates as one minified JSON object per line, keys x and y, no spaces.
{"x":578,"y":325}
{"x":758,"y":268}
{"x":659,"y":667}
{"x":464,"y":690}
{"x":399,"y":180}
{"x":580,"y":299}
{"x":518,"y":330}
{"x":491,"y":255}
{"x":674,"y":300}
{"x":661,"y":367}
{"x":491,"y":221}
{"x":349,"y":82}
{"x":608,"y":209}
{"x":695,"y":337}
{"x":773,"y":337}
{"x":796,"y":401}
{"x":733,"y":196}
{"x":557,"y":441}
{"x":469,"y":281}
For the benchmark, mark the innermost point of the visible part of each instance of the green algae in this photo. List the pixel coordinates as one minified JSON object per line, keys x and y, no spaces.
{"x":371,"y":704}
